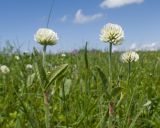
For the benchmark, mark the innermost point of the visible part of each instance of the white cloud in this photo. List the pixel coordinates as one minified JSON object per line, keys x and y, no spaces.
{"x":145,"y":47}
{"x":118,"y":3}
{"x":64,"y":18}
{"x":149,"y":47}
{"x":81,"y":18}
{"x":133,"y":46}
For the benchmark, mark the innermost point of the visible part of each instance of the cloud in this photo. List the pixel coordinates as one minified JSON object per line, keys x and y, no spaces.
{"x":149,"y":47}
{"x":81,"y":18}
{"x":154,"y":46}
{"x":133,"y":46}
{"x":64,"y":18}
{"x":118,"y":3}
{"x":145,"y":47}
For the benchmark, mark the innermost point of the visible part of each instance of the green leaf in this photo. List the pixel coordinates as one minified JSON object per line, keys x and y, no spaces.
{"x":18,"y":123}
{"x":30,"y":79}
{"x":39,"y":69}
{"x":67,"y":87}
{"x":103,"y":77}
{"x":116,"y":91}
{"x":59,"y":70}
{"x":41,"y":74}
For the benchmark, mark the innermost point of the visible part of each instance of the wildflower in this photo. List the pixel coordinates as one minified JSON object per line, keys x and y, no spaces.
{"x":63,"y":55}
{"x":16,"y":57}
{"x":48,"y":72}
{"x":129,"y":57}
{"x":4,"y":69}
{"x":29,"y":67}
{"x":148,"y":103}
{"x":46,"y":36}
{"x":112,"y":33}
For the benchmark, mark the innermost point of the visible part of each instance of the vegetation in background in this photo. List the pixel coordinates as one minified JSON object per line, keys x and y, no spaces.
{"x":78,"y":96}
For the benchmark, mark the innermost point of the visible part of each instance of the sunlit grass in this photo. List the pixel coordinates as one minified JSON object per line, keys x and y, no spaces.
{"x":78,"y":98}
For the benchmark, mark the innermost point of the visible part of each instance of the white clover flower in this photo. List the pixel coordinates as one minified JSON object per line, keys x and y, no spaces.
{"x":4,"y":69}
{"x":46,"y":36}
{"x":16,"y":57}
{"x":63,"y":55}
{"x":48,"y":72}
{"x":112,"y":33}
{"x":129,"y":57}
{"x":29,"y":67}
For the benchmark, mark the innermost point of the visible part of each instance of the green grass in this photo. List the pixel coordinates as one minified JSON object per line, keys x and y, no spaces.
{"x":78,"y":97}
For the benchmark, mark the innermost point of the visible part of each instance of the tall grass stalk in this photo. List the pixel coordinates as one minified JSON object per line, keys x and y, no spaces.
{"x":65,"y":106}
{"x":50,"y":12}
{"x":87,"y":84}
{"x":129,"y":107}
{"x":4,"y":84}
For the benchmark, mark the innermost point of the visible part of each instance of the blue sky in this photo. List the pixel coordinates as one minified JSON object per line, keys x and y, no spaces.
{"x":78,"y":21}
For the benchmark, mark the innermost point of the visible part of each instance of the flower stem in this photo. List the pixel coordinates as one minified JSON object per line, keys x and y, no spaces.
{"x":129,"y":70}
{"x":45,"y":93}
{"x":110,"y":84}
{"x":110,"y":67}
{"x":44,"y":56}
{"x":46,"y":108}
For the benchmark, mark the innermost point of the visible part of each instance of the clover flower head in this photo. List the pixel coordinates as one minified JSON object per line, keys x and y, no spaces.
{"x":4,"y":69}
{"x":63,"y":55}
{"x":46,"y":36}
{"x":112,"y":33}
{"x":29,"y":67}
{"x":17,"y":58}
{"x":129,"y":56}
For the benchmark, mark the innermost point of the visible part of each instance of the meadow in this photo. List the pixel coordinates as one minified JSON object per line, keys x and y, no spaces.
{"x":78,"y":94}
